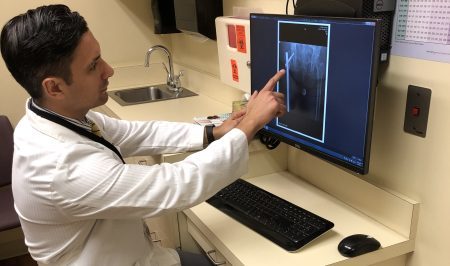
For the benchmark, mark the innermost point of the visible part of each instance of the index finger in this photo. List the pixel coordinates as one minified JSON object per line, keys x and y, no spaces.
{"x":273,"y":81}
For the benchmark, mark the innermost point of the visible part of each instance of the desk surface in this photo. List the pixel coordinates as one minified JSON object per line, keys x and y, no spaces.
{"x":242,"y":246}
{"x":178,"y":110}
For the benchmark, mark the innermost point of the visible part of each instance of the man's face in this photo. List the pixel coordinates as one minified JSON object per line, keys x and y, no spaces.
{"x":90,"y":75}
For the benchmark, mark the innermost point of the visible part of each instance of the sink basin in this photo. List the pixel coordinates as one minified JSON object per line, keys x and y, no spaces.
{"x":148,"y":94}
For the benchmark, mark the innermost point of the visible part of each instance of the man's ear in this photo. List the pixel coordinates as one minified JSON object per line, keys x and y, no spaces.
{"x":53,"y":87}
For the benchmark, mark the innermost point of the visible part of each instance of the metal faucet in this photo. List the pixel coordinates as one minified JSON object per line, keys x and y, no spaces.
{"x":173,"y":81}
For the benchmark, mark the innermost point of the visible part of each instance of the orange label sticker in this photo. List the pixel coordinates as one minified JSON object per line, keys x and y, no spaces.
{"x":234,"y":70}
{"x":240,"y":39}
{"x":231,"y":36}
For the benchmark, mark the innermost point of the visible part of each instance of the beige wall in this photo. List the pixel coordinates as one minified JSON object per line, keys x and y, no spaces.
{"x":416,"y":167}
{"x":123,"y":28}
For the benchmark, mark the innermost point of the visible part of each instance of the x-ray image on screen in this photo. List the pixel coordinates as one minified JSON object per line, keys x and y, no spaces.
{"x":330,"y":82}
{"x":303,"y":53}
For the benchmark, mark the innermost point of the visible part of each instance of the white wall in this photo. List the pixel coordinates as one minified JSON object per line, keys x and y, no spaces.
{"x":416,"y":167}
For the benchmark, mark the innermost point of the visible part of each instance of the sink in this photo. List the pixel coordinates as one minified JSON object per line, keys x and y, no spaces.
{"x":148,"y":94}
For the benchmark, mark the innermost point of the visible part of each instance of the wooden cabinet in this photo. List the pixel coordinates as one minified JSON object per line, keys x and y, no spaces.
{"x":209,"y":249}
{"x":193,"y":240}
{"x":164,"y":230}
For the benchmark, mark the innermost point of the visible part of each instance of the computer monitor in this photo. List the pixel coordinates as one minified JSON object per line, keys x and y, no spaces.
{"x":331,"y":74}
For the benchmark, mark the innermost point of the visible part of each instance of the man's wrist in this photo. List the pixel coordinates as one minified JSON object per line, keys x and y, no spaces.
{"x":249,"y":127}
{"x":209,"y":131}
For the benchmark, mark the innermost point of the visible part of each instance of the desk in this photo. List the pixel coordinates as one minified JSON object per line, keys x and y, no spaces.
{"x":240,"y":245}
{"x":350,"y":205}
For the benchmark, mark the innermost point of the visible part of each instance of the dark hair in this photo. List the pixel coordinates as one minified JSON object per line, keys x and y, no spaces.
{"x":40,"y":43}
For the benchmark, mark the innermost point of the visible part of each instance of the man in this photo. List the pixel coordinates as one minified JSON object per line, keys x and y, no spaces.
{"x":78,"y":203}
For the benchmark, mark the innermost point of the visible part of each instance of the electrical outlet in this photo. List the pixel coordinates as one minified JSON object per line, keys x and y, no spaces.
{"x":417,"y":108}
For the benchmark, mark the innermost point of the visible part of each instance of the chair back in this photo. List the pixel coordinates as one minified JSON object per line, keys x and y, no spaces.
{"x":6,"y":150}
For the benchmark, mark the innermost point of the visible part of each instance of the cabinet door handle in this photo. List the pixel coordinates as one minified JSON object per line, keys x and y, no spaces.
{"x":142,"y":162}
{"x":155,"y":239}
{"x":208,"y":253}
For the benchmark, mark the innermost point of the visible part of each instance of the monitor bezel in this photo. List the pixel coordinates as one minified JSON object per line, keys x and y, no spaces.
{"x":371,"y":101}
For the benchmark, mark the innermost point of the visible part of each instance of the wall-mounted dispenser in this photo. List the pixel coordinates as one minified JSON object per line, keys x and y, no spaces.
{"x":197,"y":16}
{"x":233,"y":46}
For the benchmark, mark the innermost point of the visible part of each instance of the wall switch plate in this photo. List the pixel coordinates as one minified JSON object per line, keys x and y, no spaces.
{"x":416,"y":113}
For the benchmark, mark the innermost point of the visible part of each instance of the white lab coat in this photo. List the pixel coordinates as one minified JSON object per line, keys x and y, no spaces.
{"x":79,"y":205}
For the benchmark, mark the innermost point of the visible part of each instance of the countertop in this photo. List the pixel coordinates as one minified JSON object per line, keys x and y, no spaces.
{"x":179,"y":110}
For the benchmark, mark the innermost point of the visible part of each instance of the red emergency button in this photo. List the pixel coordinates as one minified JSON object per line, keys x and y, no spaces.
{"x":415,"y":111}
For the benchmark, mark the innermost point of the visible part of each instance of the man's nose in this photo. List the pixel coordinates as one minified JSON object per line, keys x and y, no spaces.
{"x":108,"y":72}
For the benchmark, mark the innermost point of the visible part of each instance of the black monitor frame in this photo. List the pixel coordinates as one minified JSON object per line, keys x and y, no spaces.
{"x":359,"y":165}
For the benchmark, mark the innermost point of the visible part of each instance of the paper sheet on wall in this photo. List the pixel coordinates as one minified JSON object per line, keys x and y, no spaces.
{"x":422,"y":30}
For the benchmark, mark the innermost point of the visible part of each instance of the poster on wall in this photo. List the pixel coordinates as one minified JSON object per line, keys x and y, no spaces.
{"x":422,"y":30}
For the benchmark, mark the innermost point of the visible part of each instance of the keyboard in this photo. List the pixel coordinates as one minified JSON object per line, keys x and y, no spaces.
{"x":285,"y":224}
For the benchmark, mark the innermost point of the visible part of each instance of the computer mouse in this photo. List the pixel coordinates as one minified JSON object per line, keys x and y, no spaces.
{"x":357,"y":244}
